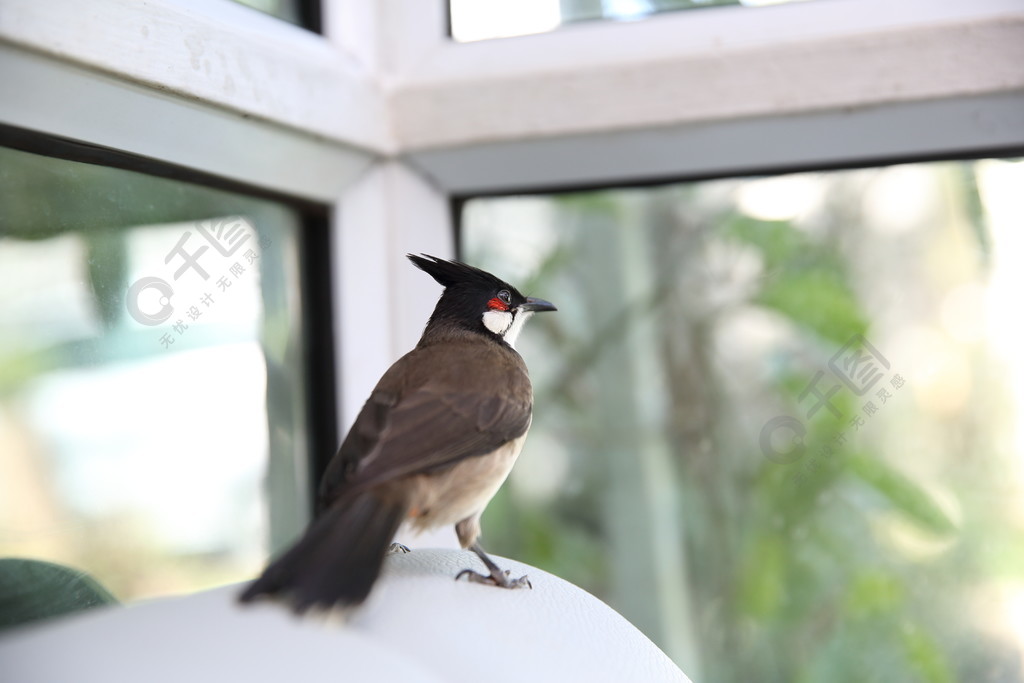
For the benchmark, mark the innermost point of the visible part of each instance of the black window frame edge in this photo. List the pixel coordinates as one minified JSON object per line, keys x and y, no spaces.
{"x":317,"y":283}
{"x":315,"y":274}
{"x":308,"y":15}
{"x":457,"y":201}
{"x":311,"y":16}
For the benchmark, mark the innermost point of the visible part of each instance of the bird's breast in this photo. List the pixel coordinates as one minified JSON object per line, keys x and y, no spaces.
{"x":463,"y":490}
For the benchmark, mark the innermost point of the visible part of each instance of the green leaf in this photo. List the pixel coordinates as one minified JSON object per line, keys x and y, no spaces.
{"x":817,"y":300}
{"x":902,"y":493}
{"x":874,"y":593}
{"x":925,"y":657}
{"x":804,"y":280}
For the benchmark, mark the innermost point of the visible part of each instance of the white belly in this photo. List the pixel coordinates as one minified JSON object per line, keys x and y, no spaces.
{"x":465,"y":489}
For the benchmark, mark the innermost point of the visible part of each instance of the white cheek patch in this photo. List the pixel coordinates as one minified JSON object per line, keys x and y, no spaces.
{"x":498,"y":322}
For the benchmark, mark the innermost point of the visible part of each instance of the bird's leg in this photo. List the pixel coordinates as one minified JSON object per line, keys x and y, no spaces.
{"x":497,"y":577}
{"x":398,"y":549}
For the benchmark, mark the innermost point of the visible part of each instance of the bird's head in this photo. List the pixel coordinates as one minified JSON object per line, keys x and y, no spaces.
{"x":475,"y":300}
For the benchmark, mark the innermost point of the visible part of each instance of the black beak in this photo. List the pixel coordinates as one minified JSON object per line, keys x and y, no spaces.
{"x":533,"y":304}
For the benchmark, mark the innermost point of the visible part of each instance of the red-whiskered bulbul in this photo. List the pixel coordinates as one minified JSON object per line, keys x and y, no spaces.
{"x":433,"y":443}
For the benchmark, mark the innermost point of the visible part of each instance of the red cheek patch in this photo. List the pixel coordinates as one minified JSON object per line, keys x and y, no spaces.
{"x":497,"y":304}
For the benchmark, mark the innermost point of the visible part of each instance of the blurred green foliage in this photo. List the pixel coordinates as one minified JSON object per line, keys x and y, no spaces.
{"x":842,"y":566}
{"x":75,"y":229}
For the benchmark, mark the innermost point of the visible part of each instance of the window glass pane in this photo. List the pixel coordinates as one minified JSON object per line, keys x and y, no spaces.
{"x":483,"y":19}
{"x":779,"y":421}
{"x":303,"y":13}
{"x":151,"y":376}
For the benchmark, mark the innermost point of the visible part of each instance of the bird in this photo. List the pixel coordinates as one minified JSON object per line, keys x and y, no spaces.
{"x":432,"y":445}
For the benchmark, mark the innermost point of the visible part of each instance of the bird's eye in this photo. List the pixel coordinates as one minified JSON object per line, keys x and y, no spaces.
{"x":502,"y":301}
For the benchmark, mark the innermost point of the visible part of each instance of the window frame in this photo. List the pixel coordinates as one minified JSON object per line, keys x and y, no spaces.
{"x":743,"y":85}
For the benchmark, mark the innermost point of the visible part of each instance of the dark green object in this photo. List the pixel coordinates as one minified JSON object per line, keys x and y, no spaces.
{"x":31,"y":590}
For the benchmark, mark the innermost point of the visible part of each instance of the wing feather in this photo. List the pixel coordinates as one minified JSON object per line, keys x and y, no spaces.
{"x":428,"y":426}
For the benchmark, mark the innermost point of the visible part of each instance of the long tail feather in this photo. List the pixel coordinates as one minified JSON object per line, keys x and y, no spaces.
{"x":338,"y":559}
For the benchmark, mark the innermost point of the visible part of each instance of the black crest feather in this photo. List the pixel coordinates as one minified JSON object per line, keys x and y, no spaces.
{"x":455,"y":273}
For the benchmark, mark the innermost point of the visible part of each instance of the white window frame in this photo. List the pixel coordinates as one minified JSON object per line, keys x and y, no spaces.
{"x":385,"y":119}
{"x":711,"y":92}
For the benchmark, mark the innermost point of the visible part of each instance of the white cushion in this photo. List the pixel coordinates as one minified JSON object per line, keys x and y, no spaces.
{"x":418,"y":625}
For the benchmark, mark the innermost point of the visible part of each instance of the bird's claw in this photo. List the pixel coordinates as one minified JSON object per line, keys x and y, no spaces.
{"x":398,"y":548}
{"x":501,"y":580}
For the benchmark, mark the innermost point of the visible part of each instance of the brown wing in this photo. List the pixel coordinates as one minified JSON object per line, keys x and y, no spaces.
{"x":428,"y":413}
